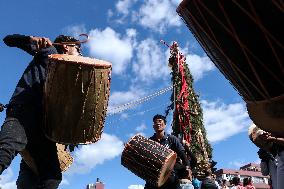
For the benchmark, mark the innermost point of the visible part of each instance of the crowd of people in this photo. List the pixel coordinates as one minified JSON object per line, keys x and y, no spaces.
{"x":210,"y":182}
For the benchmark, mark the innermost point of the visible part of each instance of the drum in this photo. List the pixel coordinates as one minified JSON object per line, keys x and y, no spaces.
{"x":148,"y":160}
{"x":245,"y":42}
{"x":76,"y":94}
{"x":64,"y":157}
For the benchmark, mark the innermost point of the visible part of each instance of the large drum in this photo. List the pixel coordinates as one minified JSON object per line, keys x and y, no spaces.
{"x":148,"y":159}
{"x":64,"y":158}
{"x":245,"y":41}
{"x":76,"y":96}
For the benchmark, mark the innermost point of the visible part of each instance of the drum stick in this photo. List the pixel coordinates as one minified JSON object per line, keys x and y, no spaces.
{"x":74,"y":43}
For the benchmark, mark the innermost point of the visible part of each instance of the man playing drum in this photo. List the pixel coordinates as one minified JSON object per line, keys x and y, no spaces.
{"x":22,"y":128}
{"x":172,"y":142}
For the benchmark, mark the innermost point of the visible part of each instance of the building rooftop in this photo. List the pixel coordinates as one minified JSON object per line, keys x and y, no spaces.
{"x":250,"y":170}
{"x":240,"y":172}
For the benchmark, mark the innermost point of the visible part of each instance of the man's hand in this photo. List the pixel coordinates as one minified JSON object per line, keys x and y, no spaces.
{"x":40,"y":42}
{"x":267,"y":137}
{"x":189,"y":176}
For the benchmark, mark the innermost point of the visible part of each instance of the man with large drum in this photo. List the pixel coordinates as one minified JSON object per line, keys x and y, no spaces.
{"x":172,"y":142}
{"x":22,"y":128}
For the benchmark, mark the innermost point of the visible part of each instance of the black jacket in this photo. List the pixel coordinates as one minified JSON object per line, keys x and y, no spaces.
{"x":30,"y":86}
{"x":208,"y":183}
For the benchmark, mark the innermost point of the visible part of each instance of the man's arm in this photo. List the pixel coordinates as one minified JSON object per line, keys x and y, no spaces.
{"x":193,"y":160}
{"x":271,"y":138}
{"x":29,"y":44}
{"x":276,"y":140}
{"x":179,"y":149}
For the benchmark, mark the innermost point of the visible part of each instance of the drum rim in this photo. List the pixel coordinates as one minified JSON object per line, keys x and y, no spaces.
{"x":172,"y":156}
{"x":181,"y":6}
{"x":249,"y":102}
{"x":63,"y":58}
{"x":259,"y":113}
{"x":73,"y":143}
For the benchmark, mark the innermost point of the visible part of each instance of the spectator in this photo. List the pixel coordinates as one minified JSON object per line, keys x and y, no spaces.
{"x":208,"y":182}
{"x":236,"y":183}
{"x":247,"y":183}
{"x":224,"y":184}
{"x":195,"y":182}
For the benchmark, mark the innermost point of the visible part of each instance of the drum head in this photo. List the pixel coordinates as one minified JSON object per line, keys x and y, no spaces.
{"x":64,"y":58}
{"x":167,"y":169}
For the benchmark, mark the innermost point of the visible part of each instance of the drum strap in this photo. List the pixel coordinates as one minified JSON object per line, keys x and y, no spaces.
{"x":168,"y":143}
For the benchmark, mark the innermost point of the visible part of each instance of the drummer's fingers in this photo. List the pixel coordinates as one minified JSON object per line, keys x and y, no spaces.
{"x":42,"y":42}
{"x":46,"y":42}
{"x":37,"y":46}
{"x":38,"y":43}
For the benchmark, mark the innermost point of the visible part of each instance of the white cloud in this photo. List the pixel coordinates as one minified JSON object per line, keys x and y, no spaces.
{"x":88,"y":156}
{"x":122,"y":6}
{"x":109,"y":13}
{"x":151,"y":62}
{"x":159,"y":15}
{"x":135,"y":187}
{"x":131,"y":32}
{"x":111,"y":46}
{"x":199,"y":65}
{"x":121,"y":97}
{"x":141,"y":127}
{"x":122,"y":10}
{"x":6,"y":180}
{"x":139,"y":130}
{"x":224,"y":120}
{"x":124,"y":116}
{"x":237,"y":164}
{"x":121,"y":100}
{"x":75,"y":30}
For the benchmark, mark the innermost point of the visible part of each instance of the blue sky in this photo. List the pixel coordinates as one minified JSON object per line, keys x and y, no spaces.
{"x":126,"y":33}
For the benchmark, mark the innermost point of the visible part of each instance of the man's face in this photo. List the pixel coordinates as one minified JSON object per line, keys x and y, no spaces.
{"x":73,"y":50}
{"x":159,"y":125}
{"x":253,"y":135}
